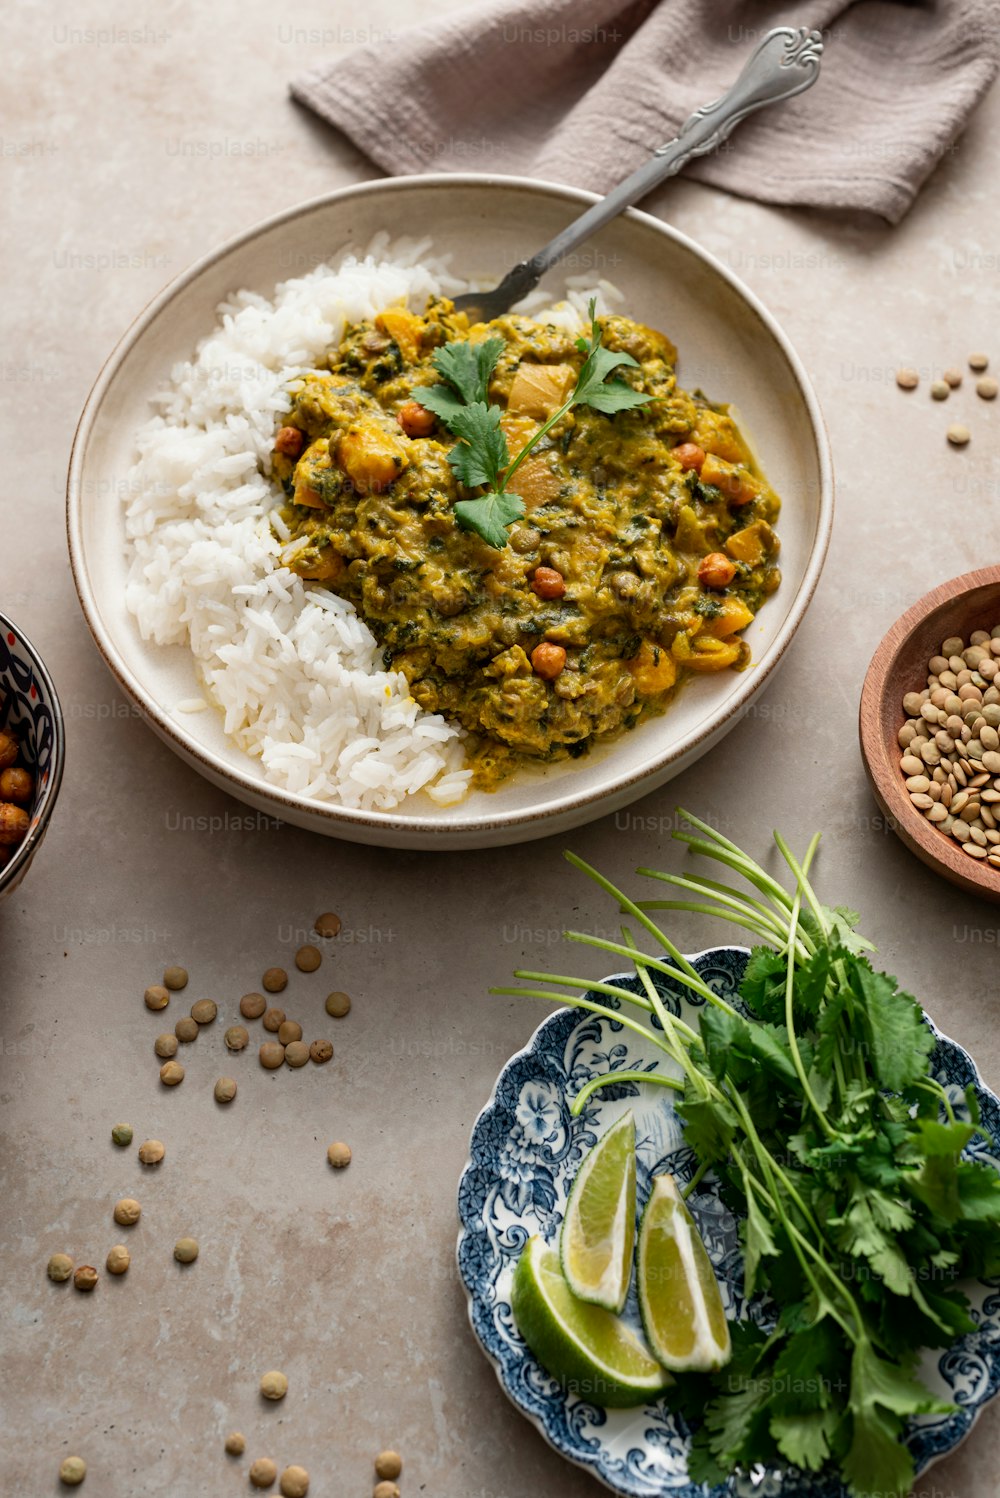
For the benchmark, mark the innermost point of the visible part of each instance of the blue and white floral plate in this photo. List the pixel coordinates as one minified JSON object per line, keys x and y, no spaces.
{"x":525,"y":1151}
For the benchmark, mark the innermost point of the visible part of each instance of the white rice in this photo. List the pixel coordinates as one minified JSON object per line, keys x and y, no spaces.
{"x":295,"y":671}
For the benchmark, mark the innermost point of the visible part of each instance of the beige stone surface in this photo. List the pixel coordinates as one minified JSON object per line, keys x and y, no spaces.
{"x":122,"y":160}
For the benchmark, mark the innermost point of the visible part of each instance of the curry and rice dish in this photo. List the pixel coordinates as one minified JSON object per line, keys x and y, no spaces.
{"x":644,"y":549}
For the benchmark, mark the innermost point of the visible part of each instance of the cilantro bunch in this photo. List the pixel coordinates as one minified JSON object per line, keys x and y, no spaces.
{"x":481,"y":457}
{"x":844,"y":1158}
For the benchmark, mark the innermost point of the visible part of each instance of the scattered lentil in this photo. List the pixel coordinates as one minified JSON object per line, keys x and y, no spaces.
{"x":308,"y":959}
{"x":171,"y":1073}
{"x":987,"y":388}
{"x":958,"y":435}
{"x":152,"y":1152}
{"x":327,"y":924}
{"x":59,"y":1268}
{"x":118,"y":1259}
{"x":385,"y":1490}
{"x":165,"y":1046}
{"x":294,"y":1482}
{"x":907,"y":379}
{"x":289,"y":1029}
{"x":236,"y":1443}
{"x":127,"y":1212}
{"x":273,"y":1020}
{"x":978,"y":362}
{"x":72,"y":1471}
{"x":156,"y":997}
{"x":338,"y":1004}
{"x":85,"y":1277}
{"x":296,"y":1053}
{"x":272,"y":1055}
{"x":252,"y":1005}
{"x":940,"y":390}
{"x":274,"y":1385}
{"x":186,"y":1250}
{"x":389,"y":1464}
{"x":274,"y":980}
{"x":321,"y":1051}
{"x":952,"y":378}
{"x":175,"y":977}
{"x":225,"y":1090}
{"x":122,"y":1134}
{"x":263,"y":1472}
{"x":204,"y":1011}
{"x":237,"y":1038}
{"x":339,"y":1155}
{"x":186,"y":1029}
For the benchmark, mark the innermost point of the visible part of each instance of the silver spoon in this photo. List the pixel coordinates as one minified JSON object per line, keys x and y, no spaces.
{"x":783,"y":63}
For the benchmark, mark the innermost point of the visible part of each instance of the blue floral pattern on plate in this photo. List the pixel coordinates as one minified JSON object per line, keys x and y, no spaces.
{"x":524,"y":1153}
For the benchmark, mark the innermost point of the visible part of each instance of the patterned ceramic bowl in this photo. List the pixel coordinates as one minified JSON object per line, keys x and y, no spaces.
{"x":525,"y":1152}
{"x":30,"y":708}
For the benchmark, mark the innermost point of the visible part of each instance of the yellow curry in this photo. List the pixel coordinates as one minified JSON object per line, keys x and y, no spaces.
{"x":646,"y":547}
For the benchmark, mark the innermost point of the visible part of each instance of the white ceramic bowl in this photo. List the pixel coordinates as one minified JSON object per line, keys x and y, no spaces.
{"x":729,"y":346}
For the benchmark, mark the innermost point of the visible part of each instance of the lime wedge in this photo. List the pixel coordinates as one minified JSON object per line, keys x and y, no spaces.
{"x":586,"y":1349}
{"x":678,"y":1293}
{"x":598,"y":1232}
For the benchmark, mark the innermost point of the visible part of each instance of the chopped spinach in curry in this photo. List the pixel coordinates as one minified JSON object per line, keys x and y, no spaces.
{"x":645,"y":549}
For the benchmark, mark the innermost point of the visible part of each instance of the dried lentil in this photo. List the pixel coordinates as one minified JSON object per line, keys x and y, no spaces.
{"x":987,"y":388}
{"x":186,"y":1250}
{"x":122,"y":1134}
{"x":940,"y":390}
{"x":978,"y":362}
{"x":204,"y":1011}
{"x":225,"y":1090}
{"x":236,"y":1443}
{"x":338,"y":1004}
{"x":252,"y":1005}
{"x":907,"y":379}
{"x":294,"y":1482}
{"x":321,"y":1051}
{"x":237,"y":1038}
{"x":175,"y":977}
{"x":72,"y":1471}
{"x":165,"y":1045}
{"x":118,"y":1259}
{"x":156,"y":997}
{"x":308,"y":959}
{"x":127,"y":1212}
{"x":151,"y":1152}
{"x":958,"y":435}
{"x":59,"y":1268}
{"x":274,"y":980}
{"x":327,"y":924}
{"x":171,"y":1073}
{"x":274,"y":1385}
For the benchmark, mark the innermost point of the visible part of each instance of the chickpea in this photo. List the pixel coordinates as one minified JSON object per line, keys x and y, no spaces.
{"x":716,"y":570}
{"x":547,"y":661}
{"x":289,"y":442}
{"x":14,"y":822}
{"x":690,"y":455}
{"x":415,"y":420}
{"x":16,"y":785}
{"x":8,"y":749}
{"x":548,"y":583}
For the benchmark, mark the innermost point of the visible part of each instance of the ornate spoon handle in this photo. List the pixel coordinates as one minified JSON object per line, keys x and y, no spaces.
{"x":783,"y":63}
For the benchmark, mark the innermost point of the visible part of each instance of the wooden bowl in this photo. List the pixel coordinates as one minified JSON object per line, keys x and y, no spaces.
{"x":898,"y":666}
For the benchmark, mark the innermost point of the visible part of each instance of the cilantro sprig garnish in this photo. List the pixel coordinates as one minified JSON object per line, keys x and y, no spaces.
{"x":481,"y":457}
{"x":817,"y":1108}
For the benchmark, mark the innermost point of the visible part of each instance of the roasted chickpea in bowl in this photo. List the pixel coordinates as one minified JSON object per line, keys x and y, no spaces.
{"x":32,"y":748}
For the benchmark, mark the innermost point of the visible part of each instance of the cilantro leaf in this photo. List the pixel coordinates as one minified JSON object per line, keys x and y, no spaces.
{"x":804,"y":1439}
{"x":900,"y":1041}
{"x":441,"y":400}
{"x":489,"y":516}
{"x":481,"y":450}
{"x":468,"y":366}
{"x":763,"y":985}
{"x":599,"y":363}
{"x":758,"y":1243}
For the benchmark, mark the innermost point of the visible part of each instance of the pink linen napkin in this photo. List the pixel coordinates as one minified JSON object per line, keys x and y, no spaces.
{"x":582,"y":91}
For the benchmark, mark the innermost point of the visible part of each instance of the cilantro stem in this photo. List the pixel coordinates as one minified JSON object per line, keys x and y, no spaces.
{"x":588,"y":985}
{"x":670,"y":1023}
{"x":724,"y":892}
{"x":534,"y":440}
{"x":642,"y":960}
{"x":696,"y":1179}
{"x":719,"y":911}
{"x":632,"y":908}
{"x":577,"y":1003}
{"x":793,"y":1044}
{"x":658,"y":1079}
